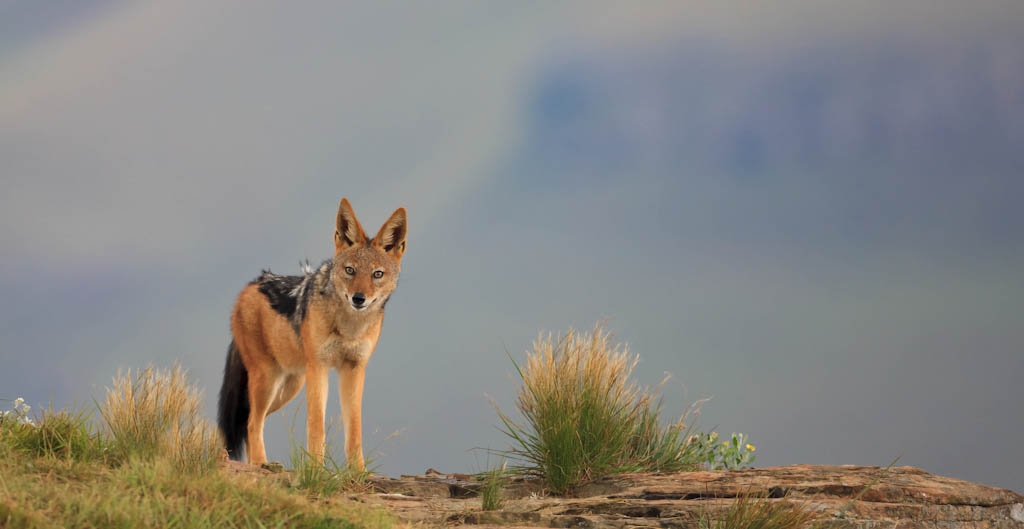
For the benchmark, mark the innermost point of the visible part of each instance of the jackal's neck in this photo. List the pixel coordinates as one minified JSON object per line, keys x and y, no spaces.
{"x":354,"y":325}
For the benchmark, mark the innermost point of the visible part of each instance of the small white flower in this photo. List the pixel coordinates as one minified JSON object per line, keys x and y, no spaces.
{"x":18,"y":402}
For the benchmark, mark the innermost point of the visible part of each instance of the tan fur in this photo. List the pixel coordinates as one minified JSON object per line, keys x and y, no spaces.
{"x":334,"y":334}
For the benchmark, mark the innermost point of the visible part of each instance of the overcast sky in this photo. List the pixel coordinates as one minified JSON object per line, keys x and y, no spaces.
{"x":809,"y":213}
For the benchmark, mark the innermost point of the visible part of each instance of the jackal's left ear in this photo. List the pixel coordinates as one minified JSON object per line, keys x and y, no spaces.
{"x":347,"y":230}
{"x":391,"y":237}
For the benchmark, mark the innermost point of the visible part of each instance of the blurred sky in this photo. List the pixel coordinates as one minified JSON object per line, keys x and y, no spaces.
{"x":809,"y":212}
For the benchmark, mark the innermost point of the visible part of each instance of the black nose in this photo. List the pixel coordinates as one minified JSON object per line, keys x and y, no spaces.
{"x":358,"y":299}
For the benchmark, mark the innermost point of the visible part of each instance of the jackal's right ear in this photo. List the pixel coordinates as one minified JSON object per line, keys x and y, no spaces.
{"x":347,"y":231}
{"x":391,"y":237}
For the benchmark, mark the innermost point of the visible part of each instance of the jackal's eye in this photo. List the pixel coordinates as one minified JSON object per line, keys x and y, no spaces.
{"x":350,"y":271}
{"x":377,"y":274}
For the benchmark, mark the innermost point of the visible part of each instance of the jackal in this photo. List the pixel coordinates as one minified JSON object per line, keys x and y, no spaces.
{"x":291,"y":330}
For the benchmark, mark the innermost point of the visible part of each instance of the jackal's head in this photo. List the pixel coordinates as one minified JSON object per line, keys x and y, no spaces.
{"x":366,"y":270}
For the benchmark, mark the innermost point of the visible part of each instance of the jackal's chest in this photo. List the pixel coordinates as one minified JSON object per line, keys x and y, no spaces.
{"x":336,"y":349}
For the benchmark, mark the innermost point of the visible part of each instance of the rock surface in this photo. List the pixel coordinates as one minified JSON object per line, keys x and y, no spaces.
{"x":903,"y":497}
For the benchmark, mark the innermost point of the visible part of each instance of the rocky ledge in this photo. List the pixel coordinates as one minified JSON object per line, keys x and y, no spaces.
{"x":840,"y":496}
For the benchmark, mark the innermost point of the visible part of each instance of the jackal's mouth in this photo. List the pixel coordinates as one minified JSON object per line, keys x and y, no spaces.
{"x":363,"y":304}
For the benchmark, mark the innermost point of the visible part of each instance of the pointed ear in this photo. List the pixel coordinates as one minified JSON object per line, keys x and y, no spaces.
{"x":391,"y":237}
{"x":347,"y":231}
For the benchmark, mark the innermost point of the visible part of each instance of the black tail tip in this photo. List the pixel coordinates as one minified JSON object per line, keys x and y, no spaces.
{"x":233,"y":405}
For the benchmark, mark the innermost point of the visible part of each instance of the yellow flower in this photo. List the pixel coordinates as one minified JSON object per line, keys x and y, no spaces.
{"x":751,"y":447}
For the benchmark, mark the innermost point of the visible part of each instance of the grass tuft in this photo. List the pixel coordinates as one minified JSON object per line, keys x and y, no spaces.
{"x":157,"y":412}
{"x":322,"y":479}
{"x":56,"y":434}
{"x":751,"y":511}
{"x":492,"y":488}
{"x":195,"y":448}
{"x":584,"y":418}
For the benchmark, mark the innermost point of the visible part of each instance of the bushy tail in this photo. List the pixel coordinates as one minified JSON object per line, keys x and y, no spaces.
{"x":233,"y":408}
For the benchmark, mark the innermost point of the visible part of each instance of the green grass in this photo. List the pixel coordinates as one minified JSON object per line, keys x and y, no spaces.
{"x":52,"y":492}
{"x":492,"y":488}
{"x":327,"y":478}
{"x":153,"y":465}
{"x":584,"y":418}
{"x":57,"y":434}
{"x":319,"y":479}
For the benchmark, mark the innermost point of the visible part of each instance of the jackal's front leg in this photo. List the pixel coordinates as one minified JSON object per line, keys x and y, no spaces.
{"x":350,"y":378}
{"x":316,"y":407}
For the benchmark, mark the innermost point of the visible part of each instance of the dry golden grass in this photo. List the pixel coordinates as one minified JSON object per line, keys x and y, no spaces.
{"x":158,"y":412}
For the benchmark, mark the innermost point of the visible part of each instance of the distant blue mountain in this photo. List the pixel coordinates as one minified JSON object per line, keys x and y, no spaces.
{"x":895,"y":142}
{"x":896,"y":102}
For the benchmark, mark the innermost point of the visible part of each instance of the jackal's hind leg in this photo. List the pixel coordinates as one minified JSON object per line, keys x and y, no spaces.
{"x":263,"y":387}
